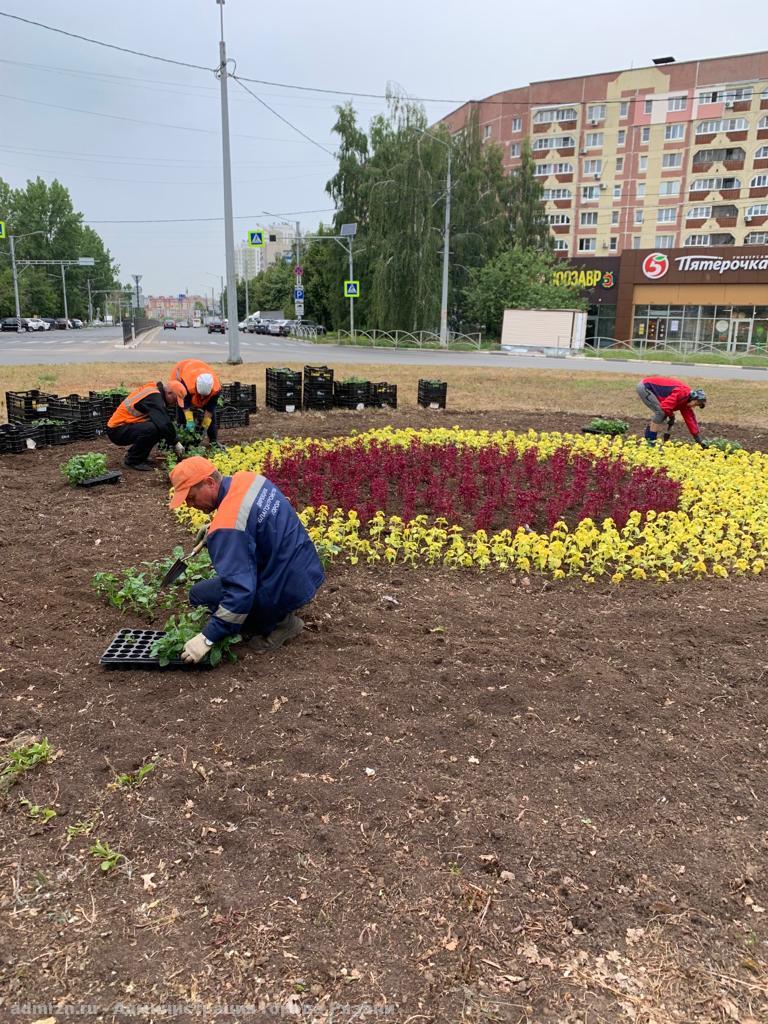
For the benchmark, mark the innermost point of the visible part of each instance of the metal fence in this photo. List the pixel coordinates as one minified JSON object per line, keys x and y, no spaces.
{"x":134,"y":327}
{"x":644,"y":346}
{"x":410,"y":339}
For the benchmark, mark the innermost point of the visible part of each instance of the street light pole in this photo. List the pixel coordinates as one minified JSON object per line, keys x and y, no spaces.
{"x":90,"y":302}
{"x":351,"y":300}
{"x":64,"y":290}
{"x":229,"y":230}
{"x":446,"y":244}
{"x":15,"y":277}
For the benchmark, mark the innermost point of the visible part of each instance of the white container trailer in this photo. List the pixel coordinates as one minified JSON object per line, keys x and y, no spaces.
{"x":548,"y":330}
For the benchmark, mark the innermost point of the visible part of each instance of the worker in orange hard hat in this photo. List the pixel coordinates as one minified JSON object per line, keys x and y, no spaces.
{"x":201,"y":390}
{"x":142,"y":419}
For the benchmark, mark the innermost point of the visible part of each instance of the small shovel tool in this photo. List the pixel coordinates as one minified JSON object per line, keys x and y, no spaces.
{"x":179,"y":567}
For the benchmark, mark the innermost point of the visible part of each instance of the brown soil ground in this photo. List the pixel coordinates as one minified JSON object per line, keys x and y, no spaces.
{"x":456,"y":797}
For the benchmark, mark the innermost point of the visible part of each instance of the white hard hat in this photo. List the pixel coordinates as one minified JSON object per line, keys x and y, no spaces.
{"x":204,"y":384}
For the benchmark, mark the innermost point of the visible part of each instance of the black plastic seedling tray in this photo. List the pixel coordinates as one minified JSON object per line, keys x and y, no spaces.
{"x":132,"y":648}
{"x":113,"y":477}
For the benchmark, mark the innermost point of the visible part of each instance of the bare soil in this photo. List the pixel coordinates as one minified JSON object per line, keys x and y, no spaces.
{"x":458,"y":796}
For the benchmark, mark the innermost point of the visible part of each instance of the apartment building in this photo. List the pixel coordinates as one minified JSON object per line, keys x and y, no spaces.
{"x":669,"y":156}
{"x":278,"y":245}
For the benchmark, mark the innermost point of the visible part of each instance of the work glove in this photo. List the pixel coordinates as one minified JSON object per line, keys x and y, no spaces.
{"x":179,"y":449}
{"x":195,"y":649}
{"x":201,"y":534}
{"x":697,"y":439}
{"x":671,"y":420}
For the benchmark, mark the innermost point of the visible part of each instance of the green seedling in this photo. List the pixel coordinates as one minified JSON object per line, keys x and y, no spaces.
{"x":722,"y":444}
{"x":38,"y":813}
{"x":132,"y":780}
{"x":179,"y":630}
{"x":22,"y":760}
{"x":84,"y":467}
{"x":608,"y":426}
{"x":121,"y":391}
{"x":80,"y":828}
{"x":354,"y":380}
{"x":108,"y":858}
{"x":138,"y":589}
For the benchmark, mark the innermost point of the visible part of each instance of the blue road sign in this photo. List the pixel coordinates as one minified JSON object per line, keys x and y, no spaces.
{"x":298,"y":293}
{"x":256,"y":239}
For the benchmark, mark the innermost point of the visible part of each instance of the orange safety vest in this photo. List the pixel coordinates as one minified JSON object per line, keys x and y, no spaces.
{"x":187,"y":371}
{"x":233,"y":512}
{"x":127,"y":412}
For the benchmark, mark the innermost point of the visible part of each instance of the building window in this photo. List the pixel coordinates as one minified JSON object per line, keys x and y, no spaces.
{"x":587,"y":244}
{"x":666,"y":215}
{"x":672,"y":160}
{"x":664,"y":241}
{"x":615,"y":216}
{"x":619,"y":163}
{"x":487,"y":131}
{"x":638,"y":216}
{"x":558,"y":218}
{"x":590,"y":192}
{"x":669,"y":188}
{"x":622,"y":137}
{"x":723,"y":124}
{"x":588,"y":219}
{"x":514,"y":149}
{"x":726,"y":95}
{"x":642,"y":164}
{"x":674,"y":131}
{"x":617,"y":191}
{"x":593,"y":166}
{"x":556,"y":193}
{"x":697,"y":240}
{"x":714,"y":184}
{"x":699,"y":213}
{"x":640,"y":189}
{"x":758,"y":210}
{"x":561,"y":245}
{"x":756,"y":238}
{"x":759,"y":181}
{"x":544,"y":170}
{"x":645,"y":134}
{"x":624,"y":108}
{"x":636,"y":241}
{"x":677,"y":103}
{"x":763,"y":122}
{"x":614,"y":244}
{"x":596,"y":112}
{"x":649,"y":106}
{"x":593,"y":140}
{"x":554,"y":114}
{"x":517,"y":124}
{"x":762,"y":153}
{"x":554,"y":142}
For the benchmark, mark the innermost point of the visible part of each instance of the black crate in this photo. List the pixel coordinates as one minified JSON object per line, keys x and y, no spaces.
{"x":318,"y":374}
{"x":318,"y":400}
{"x":88,"y":431}
{"x":27,"y":406}
{"x":131,"y":648}
{"x":382,"y":395}
{"x":432,"y":394}
{"x":114,"y":476}
{"x":233,"y":416}
{"x":60,"y":433}
{"x":351,"y":395}
{"x":109,"y":403}
{"x":12,"y":439}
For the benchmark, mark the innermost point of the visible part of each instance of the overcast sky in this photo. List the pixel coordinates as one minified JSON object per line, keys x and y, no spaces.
{"x":124,"y":170}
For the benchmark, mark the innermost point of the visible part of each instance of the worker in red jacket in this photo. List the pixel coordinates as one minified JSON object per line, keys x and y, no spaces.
{"x":202,"y":388}
{"x":665,"y":396}
{"x":141,"y":420}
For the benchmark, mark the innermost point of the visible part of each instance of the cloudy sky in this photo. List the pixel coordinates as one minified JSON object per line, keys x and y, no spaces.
{"x":137,"y":139}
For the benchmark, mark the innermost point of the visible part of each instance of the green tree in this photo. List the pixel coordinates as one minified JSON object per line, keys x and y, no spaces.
{"x":272,"y":289}
{"x":518,"y":279}
{"x":527,"y":219}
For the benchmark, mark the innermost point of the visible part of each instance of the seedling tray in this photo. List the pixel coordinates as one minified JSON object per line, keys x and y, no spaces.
{"x":112,"y":477}
{"x":131,"y":648}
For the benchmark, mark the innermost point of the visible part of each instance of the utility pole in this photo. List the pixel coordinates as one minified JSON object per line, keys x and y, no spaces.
{"x":351,"y":300}
{"x":247,"y":302}
{"x":137,"y":278}
{"x":229,"y":230}
{"x":90,"y":302}
{"x":446,"y":244}
{"x":221,"y":300}
{"x":15,"y":276}
{"x":64,"y":290}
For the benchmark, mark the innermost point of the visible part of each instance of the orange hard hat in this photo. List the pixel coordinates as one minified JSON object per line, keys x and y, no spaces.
{"x":186,"y":474}
{"x":177,"y":389}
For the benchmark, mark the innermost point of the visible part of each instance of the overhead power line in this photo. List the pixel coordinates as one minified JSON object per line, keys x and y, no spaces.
{"x":280,"y":116}
{"x":255,"y":217}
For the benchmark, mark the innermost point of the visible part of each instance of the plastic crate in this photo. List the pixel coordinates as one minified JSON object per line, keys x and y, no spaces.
{"x":432,"y":394}
{"x":12,"y":439}
{"x":109,"y":403}
{"x":351,"y":395}
{"x":60,"y":433}
{"x":382,"y":395}
{"x":232,"y":416}
{"x":318,"y":374}
{"x":113,"y":476}
{"x":131,"y":648}
{"x":88,"y":431}
{"x":27,"y":406}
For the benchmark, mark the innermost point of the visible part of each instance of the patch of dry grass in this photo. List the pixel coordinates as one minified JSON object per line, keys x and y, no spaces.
{"x":469,"y":387}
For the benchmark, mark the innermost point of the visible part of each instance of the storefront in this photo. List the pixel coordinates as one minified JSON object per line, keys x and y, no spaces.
{"x":708,"y":298}
{"x":599,"y":277}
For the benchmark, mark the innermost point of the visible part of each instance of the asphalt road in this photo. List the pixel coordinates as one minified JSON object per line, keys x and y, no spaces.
{"x":105,"y":345}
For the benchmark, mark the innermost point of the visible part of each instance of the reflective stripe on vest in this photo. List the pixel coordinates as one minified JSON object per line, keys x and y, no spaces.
{"x":233,"y":512}
{"x":127,"y":412}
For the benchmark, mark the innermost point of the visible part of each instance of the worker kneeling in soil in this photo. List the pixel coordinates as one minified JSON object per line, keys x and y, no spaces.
{"x":201,"y":395}
{"x":665,"y":396}
{"x":142,"y":419}
{"x":266,"y":565}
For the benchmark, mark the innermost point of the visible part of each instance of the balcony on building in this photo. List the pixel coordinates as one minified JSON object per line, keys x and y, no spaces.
{"x":731,"y":157}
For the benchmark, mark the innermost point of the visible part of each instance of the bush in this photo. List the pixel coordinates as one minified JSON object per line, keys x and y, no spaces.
{"x":84,"y":467}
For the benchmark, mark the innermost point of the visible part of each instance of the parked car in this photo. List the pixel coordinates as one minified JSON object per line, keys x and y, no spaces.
{"x":14,"y":323}
{"x":35,"y":323}
{"x":279,"y":327}
{"x":169,"y":325}
{"x":49,"y":321}
{"x":216,"y":327}
{"x":61,"y":323}
{"x":77,"y":324}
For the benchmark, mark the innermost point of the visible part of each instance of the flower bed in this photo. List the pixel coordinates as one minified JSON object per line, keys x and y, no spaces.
{"x":555,"y":503}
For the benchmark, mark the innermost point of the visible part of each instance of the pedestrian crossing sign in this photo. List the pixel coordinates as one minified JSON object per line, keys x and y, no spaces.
{"x":2,"y":229}
{"x":256,"y":239}
{"x":351,"y":289}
